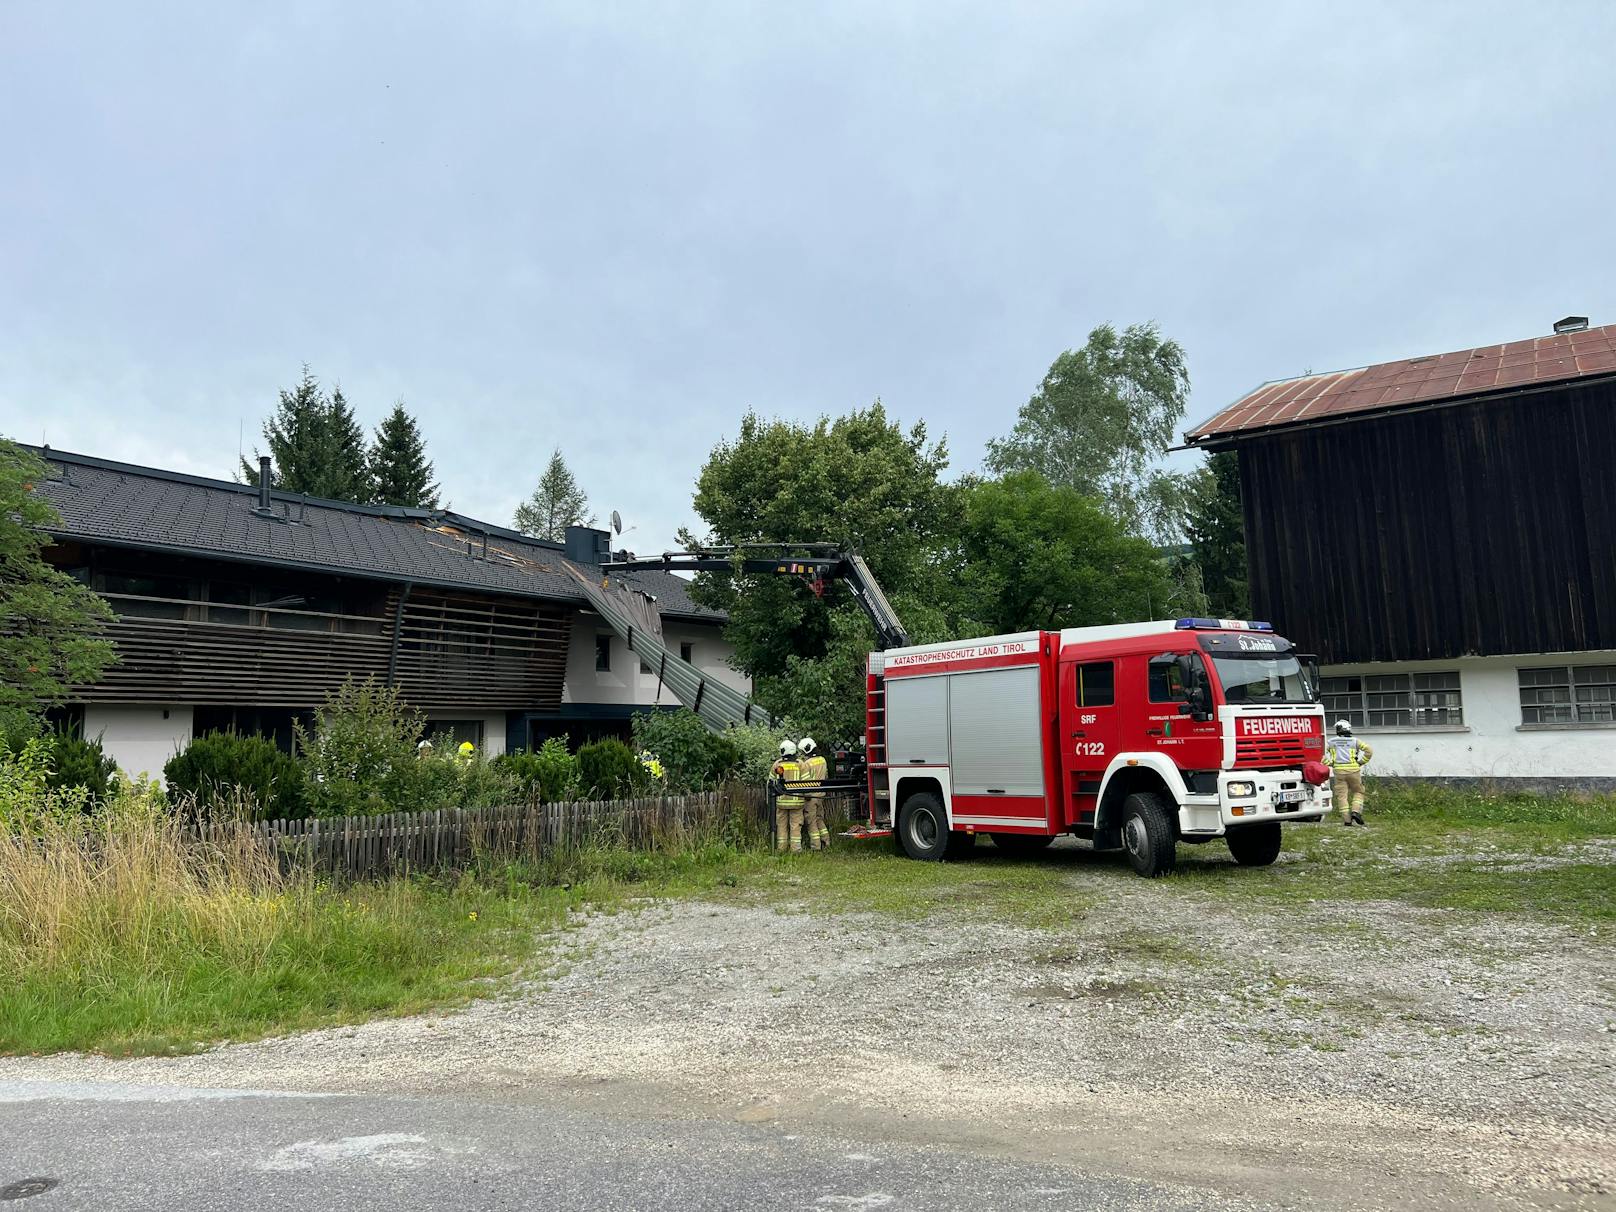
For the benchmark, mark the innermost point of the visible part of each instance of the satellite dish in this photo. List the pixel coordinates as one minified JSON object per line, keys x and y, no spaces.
{"x":617,"y":521}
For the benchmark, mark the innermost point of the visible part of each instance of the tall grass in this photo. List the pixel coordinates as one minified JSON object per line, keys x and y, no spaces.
{"x":121,"y":932}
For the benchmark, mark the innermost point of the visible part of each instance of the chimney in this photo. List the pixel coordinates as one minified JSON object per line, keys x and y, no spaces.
{"x":1571,"y":324}
{"x":264,"y":509}
{"x":586,"y":545}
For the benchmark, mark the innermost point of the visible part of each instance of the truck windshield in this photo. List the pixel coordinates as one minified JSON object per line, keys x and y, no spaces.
{"x":1251,"y":677}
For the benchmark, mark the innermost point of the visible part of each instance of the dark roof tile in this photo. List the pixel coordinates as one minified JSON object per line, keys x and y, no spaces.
{"x":126,"y":505}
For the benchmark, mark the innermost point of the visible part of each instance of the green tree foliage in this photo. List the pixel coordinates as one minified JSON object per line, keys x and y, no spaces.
{"x":224,"y":772}
{"x":400,"y":473}
{"x":860,"y":481}
{"x":316,"y":445}
{"x":1217,"y":536}
{"x":1037,"y":556}
{"x":608,"y":769}
{"x":693,"y":757}
{"x":558,"y":502}
{"x":51,"y":627}
{"x":1102,"y":420}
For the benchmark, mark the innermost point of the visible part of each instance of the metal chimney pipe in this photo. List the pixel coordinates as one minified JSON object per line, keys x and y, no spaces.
{"x":263,"y":483}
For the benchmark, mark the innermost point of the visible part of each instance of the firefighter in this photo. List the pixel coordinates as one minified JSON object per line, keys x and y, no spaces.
{"x":1346,"y":756}
{"x":815,"y":770}
{"x":466,"y":752}
{"x":652,"y":765}
{"x":788,"y":801}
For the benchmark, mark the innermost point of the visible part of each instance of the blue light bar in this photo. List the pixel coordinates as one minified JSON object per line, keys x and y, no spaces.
{"x":1221,"y":625}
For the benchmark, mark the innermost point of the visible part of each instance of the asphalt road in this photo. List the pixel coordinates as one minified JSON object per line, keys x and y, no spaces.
{"x":113,"y":1146}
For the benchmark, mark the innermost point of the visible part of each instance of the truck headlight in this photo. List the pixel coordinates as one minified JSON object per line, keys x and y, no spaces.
{"x":1239,"y":789}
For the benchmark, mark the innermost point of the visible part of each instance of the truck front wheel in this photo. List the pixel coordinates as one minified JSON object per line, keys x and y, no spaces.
{"x":1255,"y":845}
{"x":923,"y":827}
{"x":1148,"y":835}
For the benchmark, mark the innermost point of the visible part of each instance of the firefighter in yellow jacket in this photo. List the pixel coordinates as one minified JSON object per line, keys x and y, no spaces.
{"x":1346,"y":756}
{"x":815,"y":770}
{"x":788,"y":801}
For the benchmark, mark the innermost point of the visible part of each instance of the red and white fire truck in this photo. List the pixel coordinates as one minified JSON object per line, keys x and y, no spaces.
{"x":1137,"y":736}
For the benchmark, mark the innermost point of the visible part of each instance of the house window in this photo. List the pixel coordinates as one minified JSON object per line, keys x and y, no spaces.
{"x":1096,"y":684}
{"x":603,"y":654}
{"x":447,"y":735}
{"x":1575,"y":694}
{"x":1394,"y":700}
{"x":687,"y":652}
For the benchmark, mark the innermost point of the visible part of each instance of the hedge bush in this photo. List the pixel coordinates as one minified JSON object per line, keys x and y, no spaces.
{"x":222,"y":770}
{"x":693,"y":757}
{"x":547,"y":774}
{"x":608,"y":770}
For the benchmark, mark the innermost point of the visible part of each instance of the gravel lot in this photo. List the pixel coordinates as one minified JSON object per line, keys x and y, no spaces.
{"x":1360,"y":1055}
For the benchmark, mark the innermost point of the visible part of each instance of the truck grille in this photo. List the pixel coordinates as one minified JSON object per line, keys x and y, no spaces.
{"x":1270,"y":751}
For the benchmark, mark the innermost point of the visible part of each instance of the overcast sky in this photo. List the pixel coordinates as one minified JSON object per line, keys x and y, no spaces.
{"x":615,"y":227}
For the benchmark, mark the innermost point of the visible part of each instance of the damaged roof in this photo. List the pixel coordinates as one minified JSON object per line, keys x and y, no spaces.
{"x":1431,"y":379}
{"x":121,"y":504}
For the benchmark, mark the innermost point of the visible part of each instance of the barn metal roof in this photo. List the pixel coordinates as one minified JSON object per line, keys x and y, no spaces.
{"x":126,"y":505}
{"x":1433,"y":378}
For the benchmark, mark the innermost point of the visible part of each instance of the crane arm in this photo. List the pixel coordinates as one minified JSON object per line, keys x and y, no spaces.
{"x":821,"y":561}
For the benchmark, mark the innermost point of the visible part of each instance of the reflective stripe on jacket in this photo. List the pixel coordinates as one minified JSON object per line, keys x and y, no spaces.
{"x":788,"y":770}
{"x":1346,"y":753}
{"x":816,"y":769}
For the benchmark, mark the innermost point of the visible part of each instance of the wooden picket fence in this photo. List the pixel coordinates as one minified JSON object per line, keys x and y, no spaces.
{"x":358,"y":847}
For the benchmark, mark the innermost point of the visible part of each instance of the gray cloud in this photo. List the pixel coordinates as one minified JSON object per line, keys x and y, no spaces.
{"x":614,"y":227}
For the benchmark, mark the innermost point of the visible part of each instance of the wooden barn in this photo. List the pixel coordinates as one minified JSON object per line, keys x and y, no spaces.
{"x":1442,"y":532}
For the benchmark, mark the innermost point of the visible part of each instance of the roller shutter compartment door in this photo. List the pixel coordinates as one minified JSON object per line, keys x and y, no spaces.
{"x":917,"y":721}
{"x":996,"y":732}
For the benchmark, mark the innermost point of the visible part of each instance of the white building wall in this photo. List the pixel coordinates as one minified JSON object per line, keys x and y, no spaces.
{"x":139,"y":739}
{"x":1493,"y":743}
{"x":625,"y":684}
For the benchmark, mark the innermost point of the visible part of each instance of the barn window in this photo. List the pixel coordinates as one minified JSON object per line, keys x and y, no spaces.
{"x":603,"y":654}
{"x":1575,"y":694}
{"x":1395,"y":700}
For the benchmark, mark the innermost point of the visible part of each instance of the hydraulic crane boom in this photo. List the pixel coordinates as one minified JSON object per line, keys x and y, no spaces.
{"x":821,"y":561}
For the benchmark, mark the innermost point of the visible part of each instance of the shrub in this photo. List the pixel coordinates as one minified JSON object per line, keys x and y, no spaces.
{"x":74,"y":761}
{"x":608,"y":769}
{"x":360,"y":753}
{"x":28,"y":803}
{"x":692,"y":755}
{"x":759,"y":747}
{"x":547,"y":774}
{"x":221,"y":770}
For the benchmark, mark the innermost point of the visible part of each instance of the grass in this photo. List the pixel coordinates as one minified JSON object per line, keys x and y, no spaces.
{"x":120,"y":938}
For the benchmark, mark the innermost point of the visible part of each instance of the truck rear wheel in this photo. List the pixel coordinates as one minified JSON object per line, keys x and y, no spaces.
{"x":923,"y":828}
{"x":1255,"y":845}
{"x":1148,"y":835}
{"x":1021,"y":843}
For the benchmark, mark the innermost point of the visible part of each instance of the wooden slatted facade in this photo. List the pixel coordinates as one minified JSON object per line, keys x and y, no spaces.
{"x":1484,"y":527}
{"x":444,"y":649}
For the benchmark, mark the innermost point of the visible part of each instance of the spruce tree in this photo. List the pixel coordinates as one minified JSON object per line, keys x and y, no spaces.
{"x":558,"y":502}
{"x":399,"y":471}
{"x":348,"y":472}
{"x":316,"y":445}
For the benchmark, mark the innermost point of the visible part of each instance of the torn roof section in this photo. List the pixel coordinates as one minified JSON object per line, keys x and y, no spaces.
{"x":125,"y":505}
{"x":1430,"y":379}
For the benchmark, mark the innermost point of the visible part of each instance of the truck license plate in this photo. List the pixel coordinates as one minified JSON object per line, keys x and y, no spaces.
{"x":1289,"y":797}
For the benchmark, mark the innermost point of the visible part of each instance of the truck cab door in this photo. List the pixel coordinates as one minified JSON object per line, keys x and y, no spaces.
{"x":1089,"y":729}
{"x":1180,"y":718}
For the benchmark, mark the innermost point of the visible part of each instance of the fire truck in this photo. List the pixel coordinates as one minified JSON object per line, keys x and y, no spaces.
{"x":1134,"y":736}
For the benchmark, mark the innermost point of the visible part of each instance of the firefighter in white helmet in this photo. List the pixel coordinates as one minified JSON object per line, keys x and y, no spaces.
{"x":788,"y":801}
{"x":1346,"y":756}
{"x":815,"y":770}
